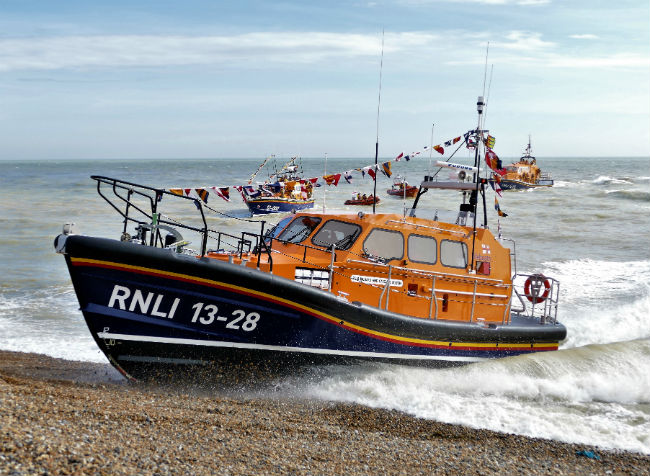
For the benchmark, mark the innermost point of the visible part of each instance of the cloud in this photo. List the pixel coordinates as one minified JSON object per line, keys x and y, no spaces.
{"x":483,"y":2}
{"x":133,"y":50}
{"x":265,"y":49}
{"x":586,"y":36}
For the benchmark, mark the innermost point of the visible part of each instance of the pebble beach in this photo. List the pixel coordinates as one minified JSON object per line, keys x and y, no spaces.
{"x":65,"y":417}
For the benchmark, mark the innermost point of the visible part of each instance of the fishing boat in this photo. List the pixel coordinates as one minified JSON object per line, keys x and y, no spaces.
{"x":525,"y":173}
{"x":285,"y":191}
{"x":317,"y":288}
{"x":362,"y":200}
{"x":401,"y":188}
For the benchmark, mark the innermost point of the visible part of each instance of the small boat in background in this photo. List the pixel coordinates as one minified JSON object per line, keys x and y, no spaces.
{"x":525,"y":173}
{"x":285,"y":191}
{"x":362,"y":200}
{"x":401,"y":188}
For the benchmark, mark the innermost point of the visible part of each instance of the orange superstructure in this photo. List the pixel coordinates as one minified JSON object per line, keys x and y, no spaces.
{"x":407,"y":265}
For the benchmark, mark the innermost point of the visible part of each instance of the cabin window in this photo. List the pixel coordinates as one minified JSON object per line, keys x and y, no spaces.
{"x":384,"y":244}
{"x":453,"y":253}
{"x":339,"y":233}
{"x":275,"y":231}
{"x":299,"y":229}
{"x":422,"y":249}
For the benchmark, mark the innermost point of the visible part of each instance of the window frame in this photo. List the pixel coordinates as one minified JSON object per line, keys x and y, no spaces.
{"x":286,"y":228}
{"x":408,"y":249}
{"x":466,"y":254}
{"x":356,"y":235}
{"x":363,"y":246}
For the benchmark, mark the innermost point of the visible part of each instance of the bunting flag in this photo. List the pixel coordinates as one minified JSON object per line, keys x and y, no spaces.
{"x":253,"y":191}
{"x":202,"y":193}
{"x":386,"y":169}
{"x":332,"y":179}
{"x":494,"y":162}
{"x":498,"y":208}
{"x":495,"y":185}
{"x":223,"y":192}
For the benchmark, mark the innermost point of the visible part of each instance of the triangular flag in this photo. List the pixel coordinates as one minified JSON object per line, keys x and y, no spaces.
{"x":386,"y":169}
{"x":202,"y":194}
{"x":498,"y":208}
{"x":332,"y":179}
{"x":222,"y":192}
{"x":439,"y":149}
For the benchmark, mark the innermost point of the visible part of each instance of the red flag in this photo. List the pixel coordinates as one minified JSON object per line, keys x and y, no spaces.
{"x":332,"y":179}
{"x":439,"y":149}
{"x":399,"y":157}
{"x":223,"y":192}
{"x":371,"y":171}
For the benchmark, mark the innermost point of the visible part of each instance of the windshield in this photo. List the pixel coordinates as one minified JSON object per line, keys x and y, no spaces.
{"x":339,"y":233}
{"x":299,"y":229}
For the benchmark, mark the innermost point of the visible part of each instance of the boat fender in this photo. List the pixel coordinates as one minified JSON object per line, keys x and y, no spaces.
{"x":534,"y":283}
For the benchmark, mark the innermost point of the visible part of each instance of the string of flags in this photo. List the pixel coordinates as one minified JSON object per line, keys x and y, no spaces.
{"x":302,"y":185}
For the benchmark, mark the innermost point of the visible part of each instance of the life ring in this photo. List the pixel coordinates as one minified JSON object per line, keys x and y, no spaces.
{"x":534,"y":283}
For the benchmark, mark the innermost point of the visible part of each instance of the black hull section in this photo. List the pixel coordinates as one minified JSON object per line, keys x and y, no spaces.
{"x":152,"y":310}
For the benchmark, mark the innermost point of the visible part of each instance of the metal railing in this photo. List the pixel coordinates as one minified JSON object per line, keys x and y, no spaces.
{"x":141,"y":207}
{"x":538,"y":296}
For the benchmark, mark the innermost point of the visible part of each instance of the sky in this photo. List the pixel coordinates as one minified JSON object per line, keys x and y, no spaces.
{"x":214,"y":79}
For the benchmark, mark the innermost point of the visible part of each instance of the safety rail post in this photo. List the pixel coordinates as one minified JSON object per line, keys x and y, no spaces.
{"x":126,"y":211}
{"x":260,"y":240}
{"x":434,"y":300}
{"x":390,"y":272}
{"x":329,"y":286}
{"x":507,"y":305}
{"x":471,"y":315}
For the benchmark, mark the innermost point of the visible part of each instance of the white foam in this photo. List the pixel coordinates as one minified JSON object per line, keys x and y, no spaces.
{"x":55,"y":326}
{"x":585,"y":395}
{"x":606,"y":180}
{"x":603,"y":301}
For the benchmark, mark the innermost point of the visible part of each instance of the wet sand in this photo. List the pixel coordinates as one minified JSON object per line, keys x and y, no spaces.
{"x":62,"y":417}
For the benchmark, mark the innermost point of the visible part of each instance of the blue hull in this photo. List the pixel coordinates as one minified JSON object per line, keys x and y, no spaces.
{"x":150,"y":309}
{"x":264,"y":206}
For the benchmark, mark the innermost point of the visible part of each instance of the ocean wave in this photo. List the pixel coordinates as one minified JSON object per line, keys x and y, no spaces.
{"x":602,"y":301}
{"x":592,"y":395}
{"x":606,"y":180}
{"x":636,"y":195}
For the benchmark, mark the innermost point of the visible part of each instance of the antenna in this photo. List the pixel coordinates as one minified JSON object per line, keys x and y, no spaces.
{"x":325,"y":190}
{"x":487,"y":50}
{"x":381,"y":67}
{"x":487,"y":99}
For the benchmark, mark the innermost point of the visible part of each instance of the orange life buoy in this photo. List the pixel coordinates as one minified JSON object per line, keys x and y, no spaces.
{"x":534,"y":283}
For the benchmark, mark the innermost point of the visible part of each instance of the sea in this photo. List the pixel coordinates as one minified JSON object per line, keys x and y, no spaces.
{"x":591,"y":231}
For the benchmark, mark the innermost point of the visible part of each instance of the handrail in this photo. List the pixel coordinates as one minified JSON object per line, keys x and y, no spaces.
{"x":156,"y":220}
{"x":404,"y":222}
